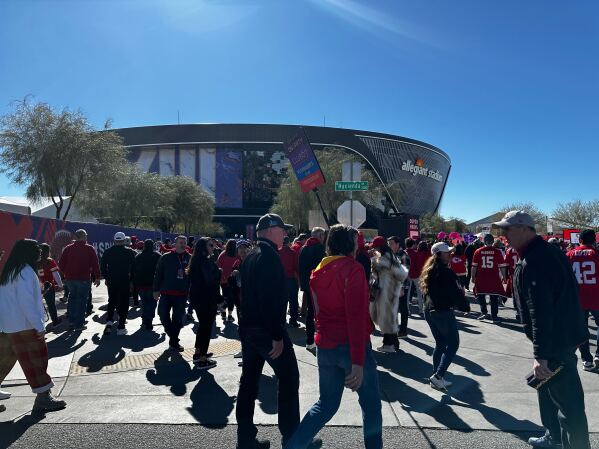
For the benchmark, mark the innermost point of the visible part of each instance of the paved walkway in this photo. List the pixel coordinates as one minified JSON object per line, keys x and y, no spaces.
{"x":133,"y":379}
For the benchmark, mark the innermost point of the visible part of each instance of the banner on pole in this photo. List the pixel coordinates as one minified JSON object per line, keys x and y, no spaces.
{"x":304,"y":162}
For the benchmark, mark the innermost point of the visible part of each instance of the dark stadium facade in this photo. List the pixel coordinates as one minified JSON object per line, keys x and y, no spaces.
{"x":222,"y":158}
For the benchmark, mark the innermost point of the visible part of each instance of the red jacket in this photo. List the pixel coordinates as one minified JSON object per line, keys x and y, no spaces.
{"x":417,"y":261}
{"x":340,"y":296}
{"x":78,"y":261}
{"x":225,"y":263}
{"x":289,"y":258}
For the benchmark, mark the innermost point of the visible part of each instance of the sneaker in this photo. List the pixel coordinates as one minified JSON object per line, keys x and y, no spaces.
{"x":596,"y":361}
{"x":45,"y":402}
{"x":437,"y":382}
{"x":230,"y":318}
{"x":4,"y":395}
{"x":176,"y":347}
{"x":122,"y":331}
{"x":256,"y":444}
{"x":484,"y":316}
{"x":386,"y":348}
{"x":107,"y":330}
{"x":238,"y":355}
{"x":189,"y":316}
{"x":544,"y":441}
{"x":311,"y":346}
{"x":294,"y":324}
{"x":2,"y":408}
{"x":496,"y":320}
{"x":203,"y":364}
{"x":402,"y":334}
{"x":588,"y":365}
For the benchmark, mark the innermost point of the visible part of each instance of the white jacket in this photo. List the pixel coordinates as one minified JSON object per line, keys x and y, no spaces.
{"x":390,"y":274}
{"x":21,"y":305}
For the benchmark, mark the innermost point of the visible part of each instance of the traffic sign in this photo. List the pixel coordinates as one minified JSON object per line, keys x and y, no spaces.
{"x":351,"y":213}
{"x":351,"y":186}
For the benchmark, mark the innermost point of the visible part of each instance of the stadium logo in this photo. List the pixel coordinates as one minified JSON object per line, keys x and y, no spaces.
{"x":417,"y":168}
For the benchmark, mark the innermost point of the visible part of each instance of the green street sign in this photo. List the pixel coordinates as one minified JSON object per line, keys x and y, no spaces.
{"x":349,"y":186}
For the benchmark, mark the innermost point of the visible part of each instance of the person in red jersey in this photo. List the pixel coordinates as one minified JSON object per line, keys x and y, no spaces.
{"x":457,"y":263}
{"x":49,"y":275}
{"x":585,"y":262}
{"x":488,"y":272}
{"x":418,"y":258}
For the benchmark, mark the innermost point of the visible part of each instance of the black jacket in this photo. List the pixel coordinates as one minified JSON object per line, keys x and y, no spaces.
{"x":310,"y":256}
{"x":145,"y":268}
{"x":546,"y":292}
{"x":444,"y":292}
{"x":117,"y":264}
{"x":263,"y":290}
{"x":204,"y":278}
{"x":471,"y":249}
{"x":166,"y":278}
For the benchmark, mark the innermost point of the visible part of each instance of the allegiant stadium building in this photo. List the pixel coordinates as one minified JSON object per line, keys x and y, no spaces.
{"x":242,"y":165}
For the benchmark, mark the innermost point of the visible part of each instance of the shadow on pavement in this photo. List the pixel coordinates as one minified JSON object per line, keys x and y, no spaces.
{"x":171,"y":370}
{"x":64,"y":344}
{"x":469,"y":365}
{"x":211,"y":405}
{"x":10,"y":432}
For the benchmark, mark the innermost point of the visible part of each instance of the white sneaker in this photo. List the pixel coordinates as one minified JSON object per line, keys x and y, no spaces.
{"x":4,"y":395}
{"x":121,"y":332}
{"x":588,"y":366}
{"x":310,"y":347}
{"x":437,"y":382}
{"x":386,"y":348}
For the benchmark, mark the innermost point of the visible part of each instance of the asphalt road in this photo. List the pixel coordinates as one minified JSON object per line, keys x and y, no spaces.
{"x":27,"y":434}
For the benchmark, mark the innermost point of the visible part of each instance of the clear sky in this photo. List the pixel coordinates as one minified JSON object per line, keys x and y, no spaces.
{"x":509,"y":89}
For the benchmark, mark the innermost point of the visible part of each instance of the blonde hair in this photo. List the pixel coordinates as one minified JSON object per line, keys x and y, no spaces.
{"x":430,"y":267}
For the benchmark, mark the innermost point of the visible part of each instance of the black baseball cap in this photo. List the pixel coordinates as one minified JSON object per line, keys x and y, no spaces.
{"x":272,"y":221}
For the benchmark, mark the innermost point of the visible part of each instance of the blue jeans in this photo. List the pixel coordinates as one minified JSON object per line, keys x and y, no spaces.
{"x":333,"y":366}
{"x":77,"y":305}
{"x":172,"y":326}
{"x":585,"y":348}
{"x":148,"y":306}
{"x":447,"y":339}
{"x":292,"y":289}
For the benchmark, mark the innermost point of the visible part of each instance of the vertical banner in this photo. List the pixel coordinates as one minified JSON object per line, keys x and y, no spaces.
{"x":229,"y":175}
{"x":304,"y":162}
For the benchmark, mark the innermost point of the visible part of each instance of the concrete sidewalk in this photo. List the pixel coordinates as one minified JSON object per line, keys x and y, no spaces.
{"x":134,"y":379}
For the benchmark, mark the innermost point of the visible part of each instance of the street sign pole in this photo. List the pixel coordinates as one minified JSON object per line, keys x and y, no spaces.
{"x":324,"y":214}
{"x":351,"y":196}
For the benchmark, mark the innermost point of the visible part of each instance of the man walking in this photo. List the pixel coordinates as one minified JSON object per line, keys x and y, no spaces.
{"x":585,"y":261}
{"x":78,"y":263}
{"x":117,"y":270}
{"x":263,"y":335}
{"x":310,"y":256}
{"x":289,"y":258}
{"x":171,"y":286}
{"x":143,"y":277}
{"x":546,"y":292}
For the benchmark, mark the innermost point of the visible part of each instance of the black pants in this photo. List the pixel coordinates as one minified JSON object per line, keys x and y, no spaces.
{"x":309,"y":319}
{"x":463,"y":281}
{"x":255,"y":346}
{"x":561,"y":402}
{"x":228,"y":295}
{"x":50,"y":298}
{"x":292,"y":291}
{"x":482,"y":301}
{"x":469,"y":275}
{"x":391,"y":340}
{"x":404,"y":311}
{"x":118,"y":297}
{"x":172,"y":324}
{"x":206,"y":317}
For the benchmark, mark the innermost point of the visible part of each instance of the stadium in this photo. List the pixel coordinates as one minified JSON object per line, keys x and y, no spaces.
{"x":242,"y":166}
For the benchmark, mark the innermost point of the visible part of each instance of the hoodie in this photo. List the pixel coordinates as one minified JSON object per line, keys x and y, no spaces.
{"x":340,"y":296}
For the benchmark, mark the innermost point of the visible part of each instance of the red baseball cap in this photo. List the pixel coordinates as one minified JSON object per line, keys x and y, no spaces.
{"x":379,"y":242}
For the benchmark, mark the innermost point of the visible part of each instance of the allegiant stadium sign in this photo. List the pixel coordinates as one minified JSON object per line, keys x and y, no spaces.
{"x":418,"y":169}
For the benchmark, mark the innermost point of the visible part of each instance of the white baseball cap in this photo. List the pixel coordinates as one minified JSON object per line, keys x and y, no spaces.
{"x":441,"y":247}
{"x":119,"y":236}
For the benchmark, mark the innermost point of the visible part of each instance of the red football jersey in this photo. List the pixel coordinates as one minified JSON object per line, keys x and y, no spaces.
{"x":511,"y":259}
{"x":488,"y":262}
{"x":46,"y":270}
{"x":458,"y":265}
{"x":585,"y":261}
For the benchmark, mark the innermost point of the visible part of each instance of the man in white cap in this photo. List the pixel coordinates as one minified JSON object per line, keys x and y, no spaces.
{"x":117,"y":270}
{"x":546,"y":292}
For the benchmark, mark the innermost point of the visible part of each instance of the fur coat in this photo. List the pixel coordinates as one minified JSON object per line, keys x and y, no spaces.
{"x":386,"y":287}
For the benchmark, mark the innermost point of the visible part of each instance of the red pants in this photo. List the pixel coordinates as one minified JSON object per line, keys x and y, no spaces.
{"x":30,"y":350}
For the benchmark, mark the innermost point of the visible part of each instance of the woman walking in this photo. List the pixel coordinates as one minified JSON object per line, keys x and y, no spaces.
{"x":204,"y":277}
{"x":443,"y":293}
{"x":49,"y":275}
{"x":22,"y":324}
{"x":225,"y":262}
{"x":386,"y":286}
{"x":344,"y":355}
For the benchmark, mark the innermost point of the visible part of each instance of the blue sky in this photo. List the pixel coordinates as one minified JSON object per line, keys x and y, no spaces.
{"x":510,"y":89}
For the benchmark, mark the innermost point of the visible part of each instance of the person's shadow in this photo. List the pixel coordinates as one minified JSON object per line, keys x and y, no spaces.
{"x":101,"y":356}
{"x":64,"y":344}
{"x":268,"y":394}
{"x":469,"y":365}
{"x":211,"y":405}
{"x":10,"y":432}
{"x":171,"y":369}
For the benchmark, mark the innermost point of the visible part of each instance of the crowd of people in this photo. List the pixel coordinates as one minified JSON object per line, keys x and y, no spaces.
{"x":348,"y":288}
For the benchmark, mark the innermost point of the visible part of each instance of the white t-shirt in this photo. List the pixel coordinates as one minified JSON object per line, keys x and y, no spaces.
{"x":21,"y":305}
